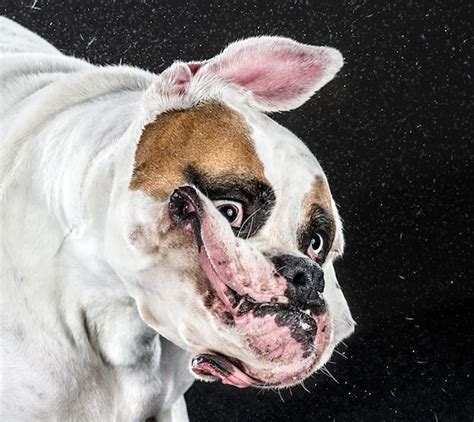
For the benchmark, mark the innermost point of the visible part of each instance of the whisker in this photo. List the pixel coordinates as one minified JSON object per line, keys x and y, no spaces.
{"x":340,"y":354}
{"x":326,"y":372}
{"x":247,"y":219}
{"x":304,"y":387}
{"x":250,"y":231}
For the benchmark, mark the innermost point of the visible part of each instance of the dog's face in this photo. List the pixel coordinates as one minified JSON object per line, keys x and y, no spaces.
{"x":229,"y":230}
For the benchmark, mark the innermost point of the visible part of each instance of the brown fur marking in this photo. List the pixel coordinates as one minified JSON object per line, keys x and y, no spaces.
{"x":318,"y":194}
{"x":211,"y":137}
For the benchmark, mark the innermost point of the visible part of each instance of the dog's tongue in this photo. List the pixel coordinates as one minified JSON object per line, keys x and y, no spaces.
{"x":219,"y":367}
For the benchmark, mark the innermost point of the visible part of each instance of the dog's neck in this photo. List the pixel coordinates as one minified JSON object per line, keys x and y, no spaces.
{"x":54,"y":214}
{"x":57,"y":185}
{"x":70,"y":174}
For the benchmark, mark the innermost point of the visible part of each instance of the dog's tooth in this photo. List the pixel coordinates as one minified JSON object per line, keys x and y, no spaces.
{"x":307,"y":312}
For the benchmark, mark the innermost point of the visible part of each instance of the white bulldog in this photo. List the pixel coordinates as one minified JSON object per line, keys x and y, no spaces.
{"x":153,"y":224}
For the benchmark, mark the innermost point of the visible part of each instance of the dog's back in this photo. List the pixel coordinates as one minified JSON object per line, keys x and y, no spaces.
{"x":17,"y":39}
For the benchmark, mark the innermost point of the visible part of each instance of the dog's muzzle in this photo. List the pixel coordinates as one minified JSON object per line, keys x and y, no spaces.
{"x":275,"y":306}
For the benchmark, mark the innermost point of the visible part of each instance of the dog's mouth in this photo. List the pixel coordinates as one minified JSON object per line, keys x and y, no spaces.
{"x":281,"y":343}
{"x":227,"y":369}
{"x":285,"y":364}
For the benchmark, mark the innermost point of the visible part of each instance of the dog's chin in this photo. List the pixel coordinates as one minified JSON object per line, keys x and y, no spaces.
{"x":214,"y":366}
{"x":283,"y":349}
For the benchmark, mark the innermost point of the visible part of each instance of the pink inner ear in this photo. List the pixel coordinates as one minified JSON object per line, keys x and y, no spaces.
{"x":175,"y":79}
{"x":181,"y":77}
{"x":280,"y":76}
{"x":195,"y":66}
{"x":281,"y":73}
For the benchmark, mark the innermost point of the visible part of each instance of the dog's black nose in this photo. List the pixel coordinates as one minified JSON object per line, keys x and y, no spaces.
{"x":305,"y":280}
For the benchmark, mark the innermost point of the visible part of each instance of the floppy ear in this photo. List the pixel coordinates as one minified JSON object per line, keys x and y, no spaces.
{"x":281,"y":74}
{"x":174,"y":80}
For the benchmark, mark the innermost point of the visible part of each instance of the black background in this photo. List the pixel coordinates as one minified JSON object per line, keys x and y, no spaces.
{"x":393,"y":133}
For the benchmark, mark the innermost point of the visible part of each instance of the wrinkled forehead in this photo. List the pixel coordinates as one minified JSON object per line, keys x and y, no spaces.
{"x":220,"y":145}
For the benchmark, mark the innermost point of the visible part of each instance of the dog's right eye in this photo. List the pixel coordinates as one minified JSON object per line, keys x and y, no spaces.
{"x":232,"y":211}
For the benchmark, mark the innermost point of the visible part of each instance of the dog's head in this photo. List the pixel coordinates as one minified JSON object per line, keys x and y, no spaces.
{"x":228,"y":230}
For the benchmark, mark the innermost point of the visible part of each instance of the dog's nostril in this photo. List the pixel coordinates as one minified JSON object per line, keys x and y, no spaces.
{"x":299,"y":279}
{"x":305,"y":279}
{"x":188,"y":209}
{"x":184,"y":203}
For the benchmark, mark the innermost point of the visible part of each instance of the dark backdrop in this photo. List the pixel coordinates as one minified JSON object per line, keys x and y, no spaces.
{"x":393,"y":134}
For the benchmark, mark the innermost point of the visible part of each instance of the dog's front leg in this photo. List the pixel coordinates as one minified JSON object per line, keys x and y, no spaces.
{"x":151,"y":372}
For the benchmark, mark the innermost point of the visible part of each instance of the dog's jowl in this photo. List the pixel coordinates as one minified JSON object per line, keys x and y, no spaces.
{"x":158,"y":228}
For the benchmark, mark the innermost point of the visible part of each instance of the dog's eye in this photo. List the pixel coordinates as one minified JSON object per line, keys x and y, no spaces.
{"x":232,"y":211}
{"x":315,"y":246}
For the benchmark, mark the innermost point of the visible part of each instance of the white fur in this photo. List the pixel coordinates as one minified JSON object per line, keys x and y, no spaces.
{"x":69,"y":134}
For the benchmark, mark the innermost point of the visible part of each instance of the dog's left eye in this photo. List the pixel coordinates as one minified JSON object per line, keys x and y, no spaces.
{"x":315,"y":246}
{"x":232,"y":211}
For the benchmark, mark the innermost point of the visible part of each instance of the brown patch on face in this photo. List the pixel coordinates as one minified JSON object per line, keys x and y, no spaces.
{"x":319,"y":194}
{"x":211,"y":137}
{"x":318,"y":215}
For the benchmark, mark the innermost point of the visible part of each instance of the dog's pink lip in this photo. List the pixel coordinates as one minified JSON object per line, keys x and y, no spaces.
{"x":224,"y":368}
{"x":234,"y":372}
{"x":218,"y":284}
{"x":228,"y":261}
{"x":225,"y":292}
